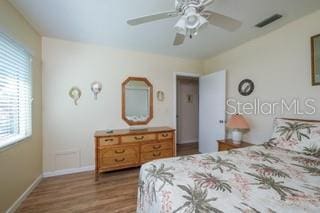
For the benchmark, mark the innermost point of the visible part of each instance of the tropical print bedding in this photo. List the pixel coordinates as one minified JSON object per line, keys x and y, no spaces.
{"x":255,"y":179}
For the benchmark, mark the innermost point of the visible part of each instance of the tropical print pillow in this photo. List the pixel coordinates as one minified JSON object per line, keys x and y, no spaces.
{"x":297,"y":135}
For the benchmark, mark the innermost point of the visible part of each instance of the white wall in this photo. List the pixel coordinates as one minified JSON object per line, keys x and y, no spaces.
{"x":68,"y":129}
{"x":280,"y":65}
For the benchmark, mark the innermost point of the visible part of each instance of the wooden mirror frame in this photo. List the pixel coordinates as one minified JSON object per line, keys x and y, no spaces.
{"x":132,"y":123}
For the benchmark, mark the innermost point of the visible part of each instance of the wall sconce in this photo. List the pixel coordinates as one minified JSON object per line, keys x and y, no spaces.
{"x":96,"y":88}
{"x":75,"y":94}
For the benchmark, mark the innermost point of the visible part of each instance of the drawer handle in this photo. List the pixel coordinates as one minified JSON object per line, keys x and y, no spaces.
{"x":118,"y":161}
{"x":139,"y":138}
{"x":106,"y":140}
{"x":119,"y":152}
{"x":157,"y":147}
{"x":165,"y":135}
{"x":157,"y":154}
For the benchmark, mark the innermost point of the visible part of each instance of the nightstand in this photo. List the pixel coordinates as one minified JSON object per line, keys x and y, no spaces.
{"x":225,"y":145}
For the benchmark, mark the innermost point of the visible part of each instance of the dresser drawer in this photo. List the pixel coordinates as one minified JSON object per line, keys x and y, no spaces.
{"x":138,"y":138}
{"x":165,"y":135}
{"x":119,"y":151}
{"x":107,"y":141}
{"x":149,"y":156}
{"x":118,"y":161}
{"x":155,"y":146}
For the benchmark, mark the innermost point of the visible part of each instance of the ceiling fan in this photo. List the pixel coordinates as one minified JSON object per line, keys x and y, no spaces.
{"x":193,"y":17}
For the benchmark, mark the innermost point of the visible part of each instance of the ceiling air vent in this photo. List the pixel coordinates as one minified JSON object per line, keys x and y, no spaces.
{"x":269,"y":20}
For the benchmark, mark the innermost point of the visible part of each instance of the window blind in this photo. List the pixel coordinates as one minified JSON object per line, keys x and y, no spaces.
{"x":15,"y":92}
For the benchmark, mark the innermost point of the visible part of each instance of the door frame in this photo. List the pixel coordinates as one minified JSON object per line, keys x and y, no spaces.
{"x":175,"y":76}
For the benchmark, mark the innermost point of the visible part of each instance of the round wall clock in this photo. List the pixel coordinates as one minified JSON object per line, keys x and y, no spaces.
{"x":246,"y":87}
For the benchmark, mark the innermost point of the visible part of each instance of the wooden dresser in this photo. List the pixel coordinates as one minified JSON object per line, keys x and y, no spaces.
{"x":125,"y":149}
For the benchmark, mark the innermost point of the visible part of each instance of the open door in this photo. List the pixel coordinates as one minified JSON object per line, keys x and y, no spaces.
{"x":212,"y":110}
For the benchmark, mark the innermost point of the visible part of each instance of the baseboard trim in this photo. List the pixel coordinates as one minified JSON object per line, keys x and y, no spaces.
{"x":189,"y":141}
{"x":68,"y":171}
{"x":24,"y":195}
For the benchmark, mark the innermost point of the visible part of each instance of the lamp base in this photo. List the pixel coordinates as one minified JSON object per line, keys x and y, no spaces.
{"x":236,"y":136}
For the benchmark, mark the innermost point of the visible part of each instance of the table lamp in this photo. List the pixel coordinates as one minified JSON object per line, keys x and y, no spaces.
{"x":237,"y":123}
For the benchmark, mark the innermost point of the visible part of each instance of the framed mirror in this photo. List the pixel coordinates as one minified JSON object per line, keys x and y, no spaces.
{"x":137,"y":101}
{"x":315,"y":53}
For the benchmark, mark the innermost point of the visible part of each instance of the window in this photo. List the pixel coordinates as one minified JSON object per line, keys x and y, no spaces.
{"x":15,"y":92}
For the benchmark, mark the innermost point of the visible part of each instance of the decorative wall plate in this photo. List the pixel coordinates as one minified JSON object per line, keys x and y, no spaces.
{"x":246,"y":87}
{"x":75,"y":94}
{"x":96,"y":88}
{"x":160,"y":96}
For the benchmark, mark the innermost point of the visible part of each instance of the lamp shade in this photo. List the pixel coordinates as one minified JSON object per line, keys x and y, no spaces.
{"x":237,"y":122}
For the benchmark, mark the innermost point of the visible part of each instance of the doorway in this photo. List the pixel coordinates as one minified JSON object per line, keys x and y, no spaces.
{"x":208,"y":119}
{"x":187,"y":116}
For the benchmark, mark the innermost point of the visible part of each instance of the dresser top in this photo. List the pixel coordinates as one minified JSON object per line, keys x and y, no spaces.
{"x":118,"y":132}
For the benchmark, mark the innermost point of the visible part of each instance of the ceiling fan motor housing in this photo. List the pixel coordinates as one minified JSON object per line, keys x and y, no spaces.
{"x":183,"y":5}
{"x":191,"y":20}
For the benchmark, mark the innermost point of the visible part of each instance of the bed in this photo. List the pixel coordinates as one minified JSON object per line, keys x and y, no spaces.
{"x":282,"y":175}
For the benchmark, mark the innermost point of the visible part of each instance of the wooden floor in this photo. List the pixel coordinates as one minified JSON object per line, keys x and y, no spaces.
{"x":187,"y":149}
{"x":114,"y":192}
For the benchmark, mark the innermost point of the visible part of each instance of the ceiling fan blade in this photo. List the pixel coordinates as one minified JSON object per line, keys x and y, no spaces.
{"x":151,"y":18}
{"x":179,"y":39}
{"x":207,"y":3}
{"x":222,"y":21}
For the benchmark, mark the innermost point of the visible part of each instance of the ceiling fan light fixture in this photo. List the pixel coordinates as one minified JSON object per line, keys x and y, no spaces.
{"x":203,"y":22}
{"x":180,"y":27}
{"x":192,"y":21}
{"x":192,"y":18}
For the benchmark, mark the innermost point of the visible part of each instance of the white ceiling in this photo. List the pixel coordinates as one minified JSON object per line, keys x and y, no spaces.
{"x":104,"y":22}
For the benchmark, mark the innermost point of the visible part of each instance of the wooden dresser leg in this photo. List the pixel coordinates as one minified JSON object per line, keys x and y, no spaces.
{"x":97,"y":153}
